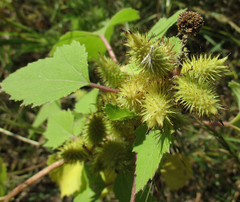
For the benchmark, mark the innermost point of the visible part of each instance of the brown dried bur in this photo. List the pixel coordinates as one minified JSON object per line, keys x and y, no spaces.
{"x":189,"y":23}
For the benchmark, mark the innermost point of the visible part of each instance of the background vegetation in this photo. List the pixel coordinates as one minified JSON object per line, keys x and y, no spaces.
{"x":30,"y":28}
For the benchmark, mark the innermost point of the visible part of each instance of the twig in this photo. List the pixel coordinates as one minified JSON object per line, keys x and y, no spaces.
{"x":133,"y":194}
{"x":31,"y":180}
{"x":109,"y":48}
{"x":104,"y":88}
{"x":27,"y":169}
{"x":6,"y":132}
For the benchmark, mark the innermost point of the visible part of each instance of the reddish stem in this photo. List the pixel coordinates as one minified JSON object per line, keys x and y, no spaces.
{"x":109,"y":48}
{"x":133,"y":195}
{"x":104,"y":88}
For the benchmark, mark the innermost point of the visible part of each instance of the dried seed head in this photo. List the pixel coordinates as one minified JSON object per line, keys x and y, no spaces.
{"x":189,"y":23}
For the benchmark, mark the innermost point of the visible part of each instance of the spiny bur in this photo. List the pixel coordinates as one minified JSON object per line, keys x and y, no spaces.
{"x":196,"y":95}
{"x":153,"y":58}
{"x":158,"y":108}
{"x":109,"y":72}
{"x":74,"y":151}
{"x":112,"y":156}
{"x":205,"y":66}
{"x":95,"y":129}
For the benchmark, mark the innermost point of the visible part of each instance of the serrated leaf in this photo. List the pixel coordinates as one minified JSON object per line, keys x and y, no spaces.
{"x":59,"y":128}
{"x":176,"y":171}
{"x":50,"y":79}
{"x":3,"y":177}
{"x":160,"y":28}
{"x":94,"y":44}
{"x":122,"y":186}
{"x":88,"y":102}
{"x":85,"y":196}
{"x":116,"y":113}
{"x":150,"y":149}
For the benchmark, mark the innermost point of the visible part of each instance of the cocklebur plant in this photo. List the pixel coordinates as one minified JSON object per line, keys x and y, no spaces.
{"x":127,"y":127}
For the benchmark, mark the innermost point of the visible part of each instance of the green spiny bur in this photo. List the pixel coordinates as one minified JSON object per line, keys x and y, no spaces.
{"x":197,"y":95}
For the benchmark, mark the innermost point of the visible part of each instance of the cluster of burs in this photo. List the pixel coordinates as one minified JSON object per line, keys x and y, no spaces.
{"x":160,"y":81}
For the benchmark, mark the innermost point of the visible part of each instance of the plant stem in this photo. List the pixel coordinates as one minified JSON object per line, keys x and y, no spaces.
{"x":104,"y":88}
{"x":133,"y":195}
{"x":109,"y":48}
{"x":6,"y":132}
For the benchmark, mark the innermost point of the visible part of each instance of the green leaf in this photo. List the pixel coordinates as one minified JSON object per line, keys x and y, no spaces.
{"x":116,"y":113}
{"x":78,"y":125}
{"x":150,"y":149}
{"x":45,"y":111}
{"x":176,"y":170}
{"x":160,"y":28}
{"x":88,"y":102}
{"x":145,"y":195}
{"x":95,"y":181}
{"x":59,"y":128}
{"x":94,"y":45}
{"x":68,"y":176}
{"x":3,"y":177}
{"x":85,"y":196}
{"x":177,"y":44}
{"x":125,"y":15}
{"x":122,"y":186}
{"x":50,"y":79}
{"x":235,"y":87}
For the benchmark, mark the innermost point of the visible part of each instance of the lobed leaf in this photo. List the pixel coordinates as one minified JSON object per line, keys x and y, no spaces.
{"x":50,"y":79}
